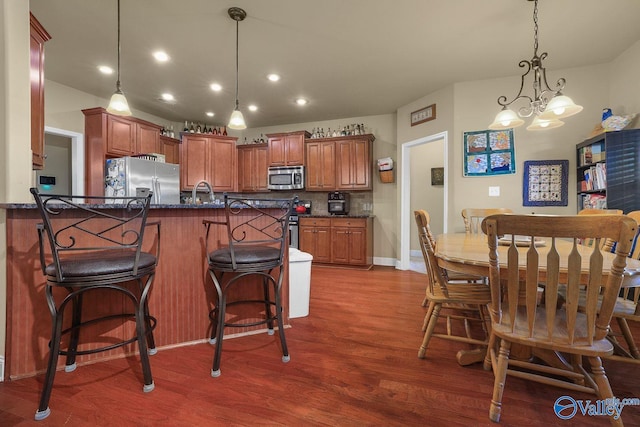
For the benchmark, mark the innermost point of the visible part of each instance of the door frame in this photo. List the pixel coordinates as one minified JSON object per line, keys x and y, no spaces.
{"x":77,"y":157}
{"x":405,"y":194}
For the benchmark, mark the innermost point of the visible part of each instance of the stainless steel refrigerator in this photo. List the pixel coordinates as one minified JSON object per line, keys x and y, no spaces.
{"x":130,"y":176}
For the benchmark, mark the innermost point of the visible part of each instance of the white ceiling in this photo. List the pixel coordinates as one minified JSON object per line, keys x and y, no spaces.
{"x":349,"y":58}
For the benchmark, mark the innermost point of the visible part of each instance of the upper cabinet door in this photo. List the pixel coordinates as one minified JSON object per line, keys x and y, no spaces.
{"x":294,"y":150}
{"x":277,"y":156}
{"x":36,"y":51}
{"x":194,"y":161}
{"x":121,"y":136}
{"x":148,"y":139}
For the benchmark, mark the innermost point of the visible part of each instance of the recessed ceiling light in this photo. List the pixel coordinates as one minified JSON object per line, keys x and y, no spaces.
{"x":253,"y":107}
{"x":273,"y":77}
{"x":210,"y":113}
{"x":168,"y":97}
{"x":161,"y":56}
{"x":301,"y":101}
{"x":216,"y":87}
{"x":105,"y":69}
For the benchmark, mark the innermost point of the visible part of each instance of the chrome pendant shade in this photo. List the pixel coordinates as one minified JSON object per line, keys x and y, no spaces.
{"x":118,"y":103}
{"x":547,"y":104}
{"x":237,"y":120}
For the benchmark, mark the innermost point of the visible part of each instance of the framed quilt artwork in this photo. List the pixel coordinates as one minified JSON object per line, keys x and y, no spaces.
{"x":545,"y":183}
{"x":489,"y":152}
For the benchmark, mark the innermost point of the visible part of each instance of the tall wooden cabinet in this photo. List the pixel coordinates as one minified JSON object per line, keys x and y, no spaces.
{"x":608,"y":172}
{"x":252,"y":167}
{"x":36,"y":53}
{"x":208,"y":157}
{"x":287,"y":149}
{"x":340,"y":163}
{"x":107,"y":136}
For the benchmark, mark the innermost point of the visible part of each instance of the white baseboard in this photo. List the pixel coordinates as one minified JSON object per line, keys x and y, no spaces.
{"x":1,"y":368}
{"x":389,"y":262}
{"x":415,"y":252}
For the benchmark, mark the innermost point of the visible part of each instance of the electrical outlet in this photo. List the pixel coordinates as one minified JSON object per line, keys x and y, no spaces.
{"x":494,"y":191}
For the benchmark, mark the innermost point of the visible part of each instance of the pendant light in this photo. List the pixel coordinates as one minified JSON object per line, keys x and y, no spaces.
{"x":237,"y":120}
{"x":547,"y":104}
{"x":118,"y":104}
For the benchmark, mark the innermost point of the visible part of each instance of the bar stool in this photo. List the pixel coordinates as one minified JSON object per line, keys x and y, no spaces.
{"x":95,"y":251}
{"x":257,"y":234}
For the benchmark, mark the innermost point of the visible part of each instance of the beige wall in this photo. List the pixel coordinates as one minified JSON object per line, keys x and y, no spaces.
{"x":624,"y":79}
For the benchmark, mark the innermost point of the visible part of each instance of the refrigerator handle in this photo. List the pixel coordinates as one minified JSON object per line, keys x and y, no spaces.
{"x":158,"y":195}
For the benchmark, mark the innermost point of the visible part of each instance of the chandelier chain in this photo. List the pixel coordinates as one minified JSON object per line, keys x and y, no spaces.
{"x":535,"y":28}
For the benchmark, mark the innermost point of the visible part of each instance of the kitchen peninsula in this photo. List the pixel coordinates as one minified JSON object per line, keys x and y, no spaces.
{"x":181,"y":297}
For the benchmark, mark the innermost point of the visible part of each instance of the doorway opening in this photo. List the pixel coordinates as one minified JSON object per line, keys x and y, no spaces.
{"x":55,"y":142}
{"x":406,"y":215}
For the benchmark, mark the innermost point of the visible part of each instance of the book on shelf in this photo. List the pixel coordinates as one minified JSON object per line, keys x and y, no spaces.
{"x":597,"y":152}
{"x":594,"y":201}
{"x":595,"y":178}
{"x":586,"y":155}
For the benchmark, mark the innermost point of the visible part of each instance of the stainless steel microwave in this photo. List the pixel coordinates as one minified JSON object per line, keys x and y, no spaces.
{"x":286,"y":178}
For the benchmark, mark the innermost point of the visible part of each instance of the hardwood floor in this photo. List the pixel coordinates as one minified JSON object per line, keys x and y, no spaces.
{"x":353,"y":362}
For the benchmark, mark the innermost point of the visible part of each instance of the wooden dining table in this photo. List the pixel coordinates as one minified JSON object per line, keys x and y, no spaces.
{"x":469,"y":253}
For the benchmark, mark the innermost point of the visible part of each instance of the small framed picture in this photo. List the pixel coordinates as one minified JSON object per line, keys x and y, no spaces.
{"x":437,"y":176}
{"x":423,"y":115}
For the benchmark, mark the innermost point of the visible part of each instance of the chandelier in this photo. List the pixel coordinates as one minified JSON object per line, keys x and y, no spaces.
{"x":547,"y":104}
{"x":118,"y":103}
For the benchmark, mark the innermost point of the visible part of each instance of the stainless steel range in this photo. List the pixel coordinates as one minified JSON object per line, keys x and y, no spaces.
{"x":302,"y":208}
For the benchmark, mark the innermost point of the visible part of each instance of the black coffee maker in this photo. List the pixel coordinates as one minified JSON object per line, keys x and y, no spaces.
{"x":338,"y":203}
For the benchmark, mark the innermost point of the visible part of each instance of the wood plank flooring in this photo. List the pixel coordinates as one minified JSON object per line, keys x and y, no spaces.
{"x":353,"y":363}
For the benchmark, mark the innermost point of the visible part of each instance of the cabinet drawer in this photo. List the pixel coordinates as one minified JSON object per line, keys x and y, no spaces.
{"x":349,"y":222}
{"x":318,"y":222}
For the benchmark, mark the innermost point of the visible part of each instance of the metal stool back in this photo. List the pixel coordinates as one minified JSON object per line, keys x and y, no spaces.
{"x":257,"y":236}
{"x":95,"y":244}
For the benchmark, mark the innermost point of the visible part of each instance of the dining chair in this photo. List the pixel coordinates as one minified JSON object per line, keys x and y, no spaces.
{"x":449,"y":275}
{"x":473,"y":217}
{"x":464,"y":301}
{"x":607,"y":244}
{"x":254,"y":241}
{"x":549,"y":328}
{"x":626,"y":308}
{"x":95,"y":252}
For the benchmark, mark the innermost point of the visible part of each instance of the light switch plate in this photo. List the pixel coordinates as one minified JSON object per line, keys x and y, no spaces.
{"x":494,"y":191}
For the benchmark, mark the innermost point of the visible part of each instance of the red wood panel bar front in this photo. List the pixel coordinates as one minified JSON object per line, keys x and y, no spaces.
{"x":181,"y":297}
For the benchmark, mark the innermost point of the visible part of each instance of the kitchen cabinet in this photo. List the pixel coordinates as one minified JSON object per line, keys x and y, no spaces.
{"x":170,"y":147}
{"x":353,"y":164}
{"x":321,"y":168}
{"x":607,"y":174}
{"x":287,"y":149}
{"x":208,"y":157}
{"x":252,"y":167}
{"x":340,"y":163}
{"x":351,"y":241}
{"x":107,"y":136}
{"x":345,"y":241}
{"x":38,"y":37}
{"x":315,"y":238}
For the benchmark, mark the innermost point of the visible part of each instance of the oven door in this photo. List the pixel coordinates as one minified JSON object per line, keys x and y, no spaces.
{"x":294,"y":236}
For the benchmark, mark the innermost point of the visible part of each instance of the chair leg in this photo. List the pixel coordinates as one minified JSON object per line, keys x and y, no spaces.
{"x":487,"y":359}
{"x":151,"y":342}
{"x":267,"y":306}
{"x":425,"y":301}
{"x":604,"y":388}
{"x":76,"y":319}
{"x":213,"y":314}
{"x":499,"y":381}
{"x":427,"y":316}
{"x":283,"y":341}
{"x":141,"y":333}
{"x":54,"y":351}
{"x":628,"y":337}
{"x":430,"y":327}
{"x":221,"y":309}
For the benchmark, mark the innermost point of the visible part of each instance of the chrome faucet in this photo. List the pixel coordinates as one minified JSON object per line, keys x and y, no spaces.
{"x":195,"y":190}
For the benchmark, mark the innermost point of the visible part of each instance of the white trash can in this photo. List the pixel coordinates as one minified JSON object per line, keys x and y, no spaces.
{"x":299,"y":282}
